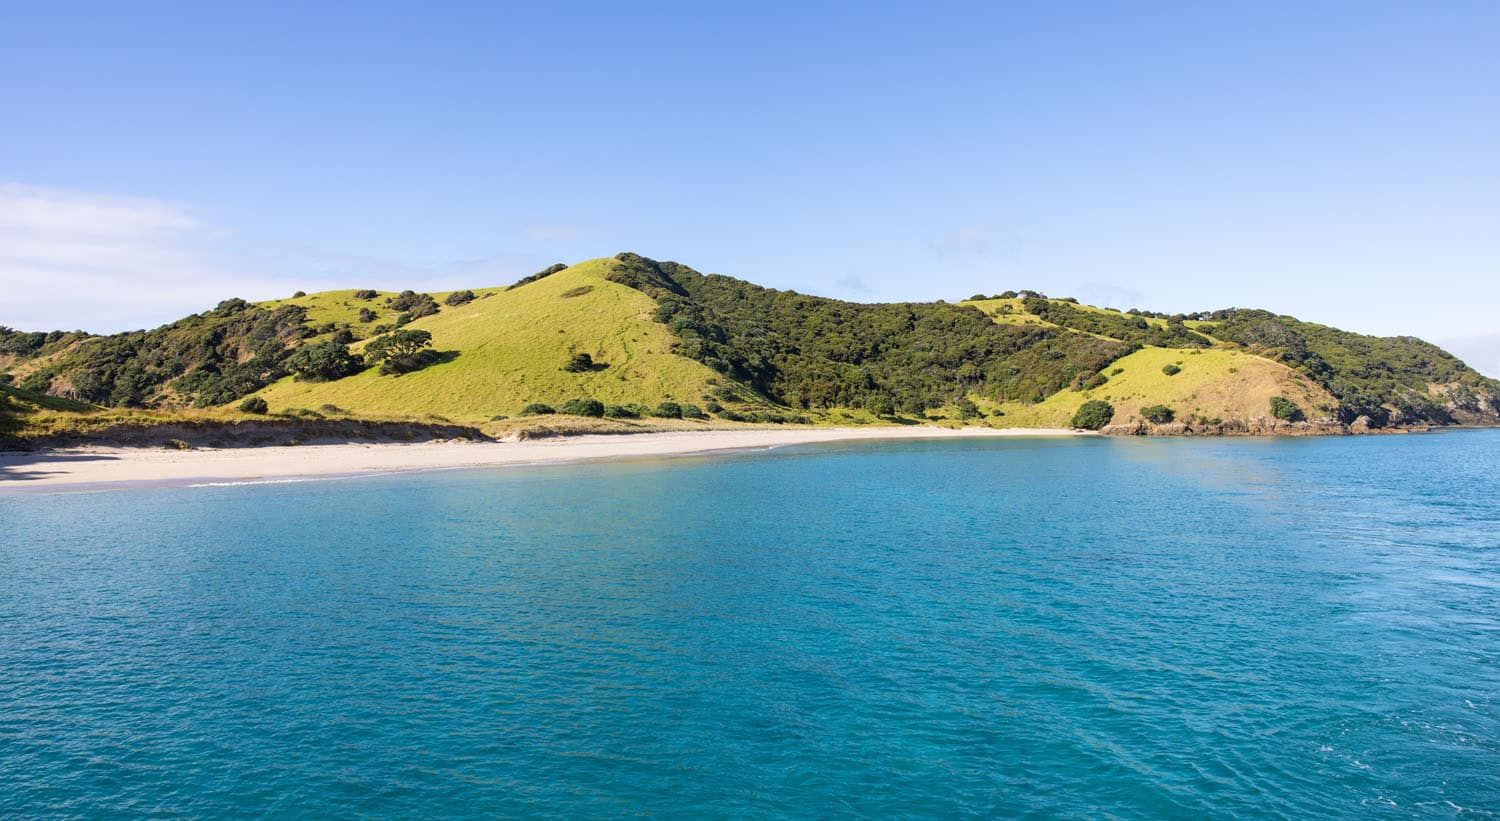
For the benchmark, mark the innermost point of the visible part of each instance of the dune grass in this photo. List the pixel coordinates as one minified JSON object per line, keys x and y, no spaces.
{"x":509,"y":348}
{"x":1214,"y":383}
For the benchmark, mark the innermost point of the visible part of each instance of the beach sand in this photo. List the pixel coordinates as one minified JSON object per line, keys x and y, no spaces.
{"x":102,"y":467}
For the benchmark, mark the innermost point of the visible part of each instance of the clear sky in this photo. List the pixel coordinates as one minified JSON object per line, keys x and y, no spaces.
{"x":1336,"y":161}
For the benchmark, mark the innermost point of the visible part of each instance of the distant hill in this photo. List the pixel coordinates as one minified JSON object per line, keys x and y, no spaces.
{"x":632,"y":336}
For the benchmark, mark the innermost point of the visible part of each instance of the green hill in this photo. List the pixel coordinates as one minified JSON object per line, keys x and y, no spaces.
{"x":633,"y":333}
{"x":508,"y":349}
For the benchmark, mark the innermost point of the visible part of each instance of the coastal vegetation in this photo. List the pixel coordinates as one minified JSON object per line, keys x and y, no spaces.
{"x":630,"y":338}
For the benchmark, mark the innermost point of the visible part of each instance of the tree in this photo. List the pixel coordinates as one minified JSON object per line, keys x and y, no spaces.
{"x":669,"y":410}
{"x":366,"y":294}
{"x":366,"y":315}
{"x":1093,"y":415}
{"x":401,"y":351}
{"x":1285,"y":409}
{"x":322,"y":361}
{"x":1157,"y":414}
{"x":255,"y":405}
{"x":459,"y":298}
{"x":1170,"y":369}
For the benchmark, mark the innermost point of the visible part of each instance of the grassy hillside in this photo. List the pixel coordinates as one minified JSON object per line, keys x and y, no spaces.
{"x":659,"y":332}
{"x":509,"y":348}
{"x":1211,"y":384}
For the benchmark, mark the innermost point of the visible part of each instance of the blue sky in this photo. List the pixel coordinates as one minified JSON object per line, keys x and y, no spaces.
{"x":1336,"y":161}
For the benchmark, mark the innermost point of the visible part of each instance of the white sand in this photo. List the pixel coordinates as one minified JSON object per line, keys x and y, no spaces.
{"x":80,"y":468}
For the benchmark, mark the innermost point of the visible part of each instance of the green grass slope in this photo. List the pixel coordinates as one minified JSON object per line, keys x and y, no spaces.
{"x":511,"y":346}
{"x":1213,"y":383}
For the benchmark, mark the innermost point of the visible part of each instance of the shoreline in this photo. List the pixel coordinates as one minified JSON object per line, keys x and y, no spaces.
{"x":104,"y":468}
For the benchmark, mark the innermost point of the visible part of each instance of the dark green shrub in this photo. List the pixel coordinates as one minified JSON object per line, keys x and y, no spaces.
{"x":401,"y":351}
{"x":255,"y":405}
{"x":692,"y":412}
{"x":459,"y":298}
{"x":966,"y":409}
{"x":582,"y":407}
{"x":1098,"y":380}
{"x":1285,"y":409}
{"x":366,"y":315}
{"x":413,"y":303}
{"x":366,"y":294}
{"x":299,"y":295}
{"x":712,"y":406}
{"x":579,"y":363}
{"x":579,"y":291}
{"x":668,"y":410}
{"x":537,"y":409}
{"x":620,"y":412}
{"x":323,"y":361}
{"x":330,"y":408}
{"x":1170,"y":370}
{"x":1157,"y":414}
{"x":542,"y":274}
{"x":1093,"y":415}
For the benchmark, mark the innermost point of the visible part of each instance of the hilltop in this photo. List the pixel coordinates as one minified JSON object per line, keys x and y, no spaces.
{"x":646,"y":343}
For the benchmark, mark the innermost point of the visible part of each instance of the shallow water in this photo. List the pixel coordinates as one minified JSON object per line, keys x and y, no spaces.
{"x":1079,"y":627}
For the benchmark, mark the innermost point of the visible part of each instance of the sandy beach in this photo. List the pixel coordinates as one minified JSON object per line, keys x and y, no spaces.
{"x":101,"y":467}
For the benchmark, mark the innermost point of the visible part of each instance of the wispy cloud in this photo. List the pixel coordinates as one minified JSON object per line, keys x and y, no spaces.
{"x":967,"y":241}
{"x":1482,"y":353}
{"x":78,"y":259}
{"x":852,"y":284}
{"x":1107,"y":295}
{"x":71,"y":259}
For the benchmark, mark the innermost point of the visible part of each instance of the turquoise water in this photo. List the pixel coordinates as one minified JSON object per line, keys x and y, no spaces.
{"x":1143,"y":628}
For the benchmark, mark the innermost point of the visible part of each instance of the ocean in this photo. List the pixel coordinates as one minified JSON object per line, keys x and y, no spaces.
{"x":1136,"y":628}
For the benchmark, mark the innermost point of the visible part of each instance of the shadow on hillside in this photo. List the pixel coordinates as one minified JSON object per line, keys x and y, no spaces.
{"x":424,"y":359}
{"x":21,"y":466}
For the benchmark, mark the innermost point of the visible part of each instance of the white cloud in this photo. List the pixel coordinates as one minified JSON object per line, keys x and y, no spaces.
{"x":1482,"y":353}
{"x":76,"y":259}
{"x":968,"y":241}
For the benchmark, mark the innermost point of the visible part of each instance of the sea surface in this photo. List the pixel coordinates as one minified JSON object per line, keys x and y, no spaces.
{"x":1295,"y":628}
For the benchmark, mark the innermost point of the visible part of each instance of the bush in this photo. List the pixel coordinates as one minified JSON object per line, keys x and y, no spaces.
{"x":366,"y":294}
{"x":620,"y":412}
{"x":1157,"y":414}
{"x":459,"y":298}
{"x":401,"y":351}
{"x":668,"y":410}
{"x":1170,"y":370}
{"x":537,"y":409}
{"x":330,"y":408}
{"x":712,"y":407}
{"x":693,"y":412}
{"x":323,"y":361}
{"x":366,"y":315}
{"x":299,"y":295}
{"x":1098,"y":380}
{"x":579,"y":363}
{"x":413,"y":303}
{"x":579,"y":291}
{"x":1093,"y":415}
{"x":1285,"y":409}
{"x":582,"y":407}
{"x":255,"y":405}
{"x":966,"y":409}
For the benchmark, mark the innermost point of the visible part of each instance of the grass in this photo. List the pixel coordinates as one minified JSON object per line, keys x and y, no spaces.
{"x":1215,"y":383}
{"x":1017,"y":314}
{"x":511,"y":347}
{"x":342,"y":309}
